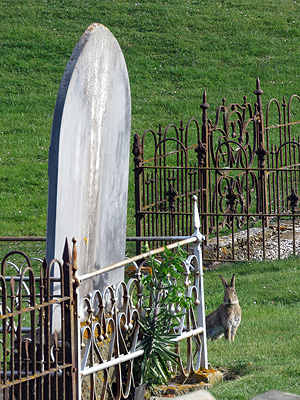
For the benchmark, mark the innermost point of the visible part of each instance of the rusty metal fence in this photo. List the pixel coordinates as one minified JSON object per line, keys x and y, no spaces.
{"x":36,"y":363}
{"x":244,"y":168}
{"x":91,"y":352}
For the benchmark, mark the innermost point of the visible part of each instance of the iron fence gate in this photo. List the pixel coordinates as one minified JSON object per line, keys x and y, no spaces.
{"x":245,"y":172}
{"x":109,"y":324}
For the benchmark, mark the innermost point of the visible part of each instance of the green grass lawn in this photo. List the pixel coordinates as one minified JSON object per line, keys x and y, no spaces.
{"x":174,"y":50}
{"x":266,"y":351}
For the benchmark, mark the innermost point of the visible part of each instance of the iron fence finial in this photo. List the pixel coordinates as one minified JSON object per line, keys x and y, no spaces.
{"x":196,"y":221}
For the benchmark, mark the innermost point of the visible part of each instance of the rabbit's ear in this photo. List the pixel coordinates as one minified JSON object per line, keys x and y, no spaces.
{"x":225,"y":283}
{"x":232,"y":283}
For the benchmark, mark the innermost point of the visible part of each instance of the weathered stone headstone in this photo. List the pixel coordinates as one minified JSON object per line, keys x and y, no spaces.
{"x":89,"y":157}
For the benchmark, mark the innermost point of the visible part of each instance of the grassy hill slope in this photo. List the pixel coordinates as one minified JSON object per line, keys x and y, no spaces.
{"x":174,"y":51}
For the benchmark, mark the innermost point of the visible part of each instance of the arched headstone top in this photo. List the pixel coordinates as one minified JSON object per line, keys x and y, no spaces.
{"x":89,"y":154}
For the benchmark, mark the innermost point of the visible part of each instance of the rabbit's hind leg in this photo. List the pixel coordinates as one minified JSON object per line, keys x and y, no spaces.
{"x":227,"y":334}
{"x":233,"y":332}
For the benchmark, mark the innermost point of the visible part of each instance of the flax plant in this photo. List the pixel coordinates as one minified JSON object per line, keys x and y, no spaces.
{"x":166,"y":304}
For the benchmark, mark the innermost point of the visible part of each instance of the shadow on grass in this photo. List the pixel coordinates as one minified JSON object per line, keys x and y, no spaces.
{"x":238,"y":370}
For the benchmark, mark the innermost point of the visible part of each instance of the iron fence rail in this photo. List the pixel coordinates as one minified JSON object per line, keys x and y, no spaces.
{"x":109,"y":268}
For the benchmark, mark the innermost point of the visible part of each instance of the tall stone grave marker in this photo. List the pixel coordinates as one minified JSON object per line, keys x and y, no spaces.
{"x":89,"y":157}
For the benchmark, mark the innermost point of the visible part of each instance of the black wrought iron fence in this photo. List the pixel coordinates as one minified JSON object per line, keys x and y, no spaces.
{"x":36,"y":361}
{"x":245,"y":172}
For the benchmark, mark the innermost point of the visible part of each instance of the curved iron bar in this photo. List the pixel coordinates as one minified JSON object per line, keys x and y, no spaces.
{"x":120,"y":311}
{"x":281,"y":147}
{"x":232,"y":190}
{"x":144,"y":137}
{"x":167,"y":130}
{"x":15,"y":294}
{"x":108,"y":334}
{"x":228,"y":124}
{"x":187,"y":129}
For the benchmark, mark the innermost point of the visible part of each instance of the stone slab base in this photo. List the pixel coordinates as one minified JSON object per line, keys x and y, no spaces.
{"x":276,"y":395}
{"x":196,"y":383}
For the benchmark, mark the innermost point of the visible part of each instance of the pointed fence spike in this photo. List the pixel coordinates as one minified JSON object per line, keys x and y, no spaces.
{"x":284,"y":104}
{"x":196,"y":219}
{"x":66,"y":253}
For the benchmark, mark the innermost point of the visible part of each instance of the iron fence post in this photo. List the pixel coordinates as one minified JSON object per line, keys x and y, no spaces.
{"x":76,"y":361}
{"x":137,"y":151}
{"x":202,"y":162}
{"x":68,"y":330}
{"x":261,"y":152}
{"x":201,"y":306}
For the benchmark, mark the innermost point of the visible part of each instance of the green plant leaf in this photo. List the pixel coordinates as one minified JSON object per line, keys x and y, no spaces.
{"x":166,"y":288}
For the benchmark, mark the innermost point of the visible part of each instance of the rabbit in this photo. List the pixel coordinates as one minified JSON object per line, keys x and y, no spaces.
{"x":227,"y":317}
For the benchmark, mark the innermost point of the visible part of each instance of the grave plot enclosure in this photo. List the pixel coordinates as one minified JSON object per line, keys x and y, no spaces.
{"x":94,"y":353}
{"x":241,"y":162}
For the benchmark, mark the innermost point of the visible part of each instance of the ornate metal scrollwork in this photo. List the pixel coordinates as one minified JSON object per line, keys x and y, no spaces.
{"x":109,"y":331}
{"x":235,"y":184}
{"x":231,"y":198}
{"x":171,"y":194}
{"x":109,"y":323}
{"x":201,"y":151}
{"x":293,"y":198}
{"x":137,"y":149}
{"x":261,"y":155}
